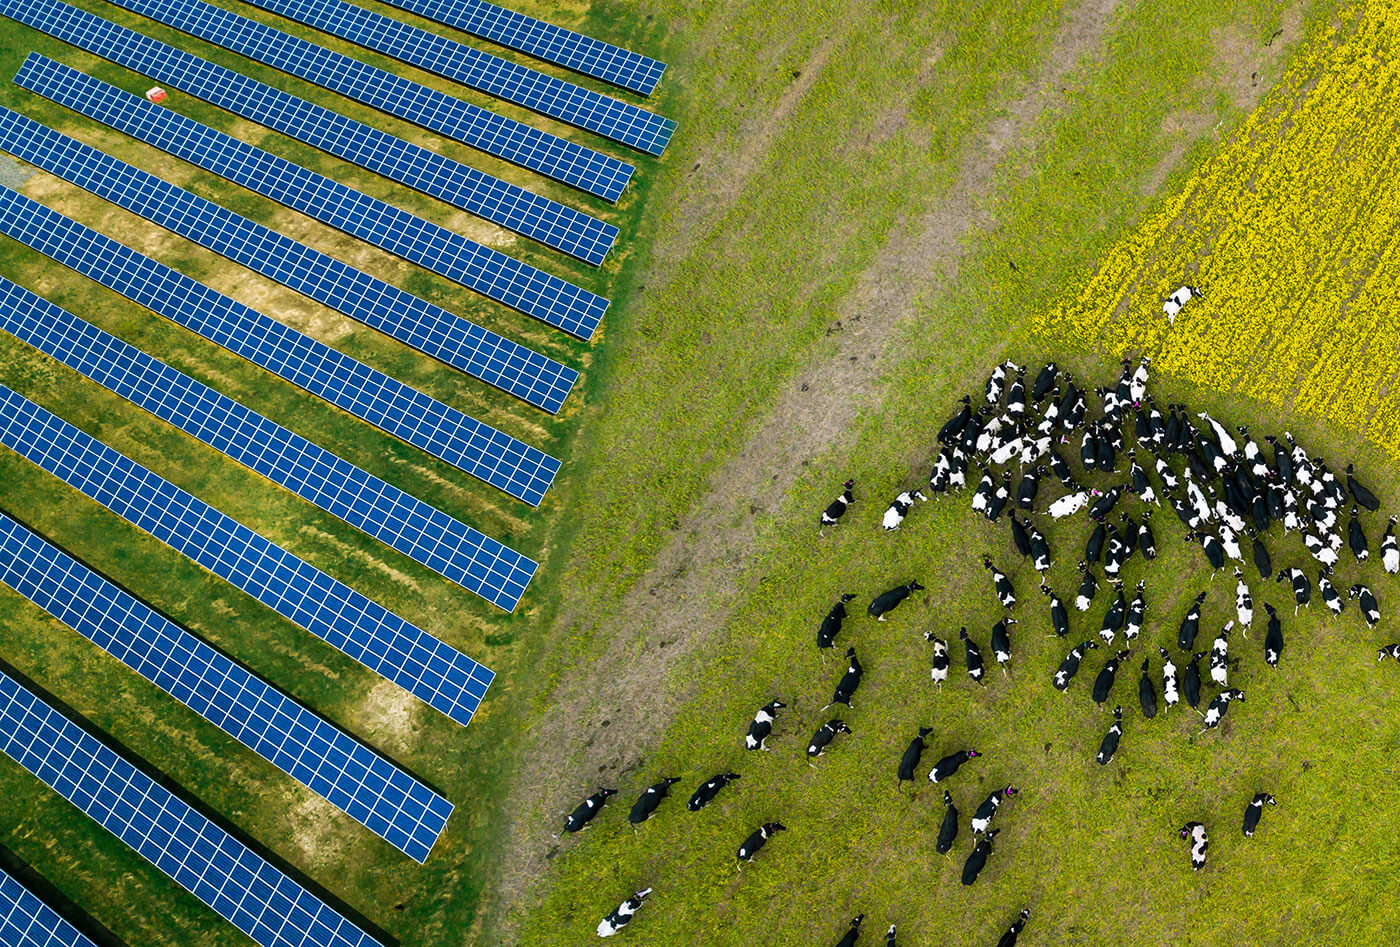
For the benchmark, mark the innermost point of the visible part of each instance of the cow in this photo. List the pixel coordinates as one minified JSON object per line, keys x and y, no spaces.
{"x":757,"y":839}
{"x":899,"y":509}
{"x":850,"y":681}
{"x":647,"y":802}
{"x":909,"y":762}
{"x":950,"y":764}
{"x":1200,"y":841}
{"x":1215,"y":711}
{"x":939,"y":672}
{"x":710,"y":788}
{"x":982,"y":818}
{"x":1069,"y":667}
{"x":887,"y":601}
{"x":833,"y":513}
{"x":831,"y":624}
{"x":1273,"y":638}
{"x":1103,"y":684}
{"x":1109,"y":746}
{"x":762,"y":725}
{"x":978,"y":859}
{"x":585,"y":811}
{"x":1370,"y":610}
{"x":974,"y":656}
{"x":622,"y":915}
{"x":948,"y":830}
{"x":1254,"y":810}
{"x":1169,"y":692}
{"x":1147,"y":692}
{"x":823,"y":737}
{"x":1014,"y":931}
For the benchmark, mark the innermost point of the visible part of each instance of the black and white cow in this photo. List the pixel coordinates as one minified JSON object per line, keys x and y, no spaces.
{"x":1044,"y":381}
{"x":982,"y":818}
{"x":585,"y":811}
{"x":899,"y":509}
{"x":833,"y":513}
{"x":622,"y":915}
{"x":948,"y":830}
{"x":1069,"y":667}
{"x":710,"y":788}
{"x":1390,"y":549}
{"x":975,"y":668}
{"x":1014,"y":931}
{"x":1114,"y":617}
{"x":1200,"y":841}
{"x":1132,"y":625}
{"x":1059,"y":618}
{"x":1273,"y":638}
{"x":909,"y":762}
{"x":1069,"y":504}
{"x":890,"y":937}
{"x":1103,"y":684}
{"x":977,"y":860}
{"x":1006,"y":593}
{"x":1302,"y":588}
{"x":1220,"y":656}
{"x":853,"y":933}
{"x":1088,"y":588}
{"x":1001,"y":642}
{"x":1191,"y":680}
{"x":1147,"y":541}
{"x":1254,"y":810}
{"x":950,"y":764}
{"x":1370,"y":610}
{"x":850,"y":681}
{"x":939,"y":672}
{"x":1029,"y":487}
{"x":1244,"y":602}
{"x":1389,"y":651}
{"x":1170,"y":695}
{"x":1109,"y":746}
{"x":952,"y":430}
{"x":757,"y":839}
{"x":1040,"y":551}
{"x":888,"y":601}
{"x":647,"y":802}
{"x":831,"y":624}
{"x":1330,"y":596}
{"x":762,"y":725}
{"x":823,"y":737}
{"x":1147,"y":692}
{"x":996,"y":384}
{"x":1215,"y":711}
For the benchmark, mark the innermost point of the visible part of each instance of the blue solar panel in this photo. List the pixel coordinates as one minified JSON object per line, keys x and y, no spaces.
{"x":385,"y":512}
{"x":25,"y":921}
{"x":198,"y":855}
{"x":437,"y":674}
{"x":461,"y":186}
{"x":582,"y":54}
{"x":370,"y":395}
{"x":325,"y":279}
{"x":505,"y":138}
{"x":502,"y":78}
{"x":348,"y":774}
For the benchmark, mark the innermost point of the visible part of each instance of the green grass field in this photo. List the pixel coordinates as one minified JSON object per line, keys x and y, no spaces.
{"x":818,"y":267}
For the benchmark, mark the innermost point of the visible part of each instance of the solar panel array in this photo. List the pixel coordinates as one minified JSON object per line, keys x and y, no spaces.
{"x":353,"y":386}
{"x":198,"y":855}
{"x":349,"y":775}
{"x":505,"y":138}
{"x":25,"y":921}
{"x":462,"y":186}
{"x":582,"y":54}
{"x":430,"y":328}
{"x":620,"y":121}
{"x":385,"y":512}
{"x":435,"y":673}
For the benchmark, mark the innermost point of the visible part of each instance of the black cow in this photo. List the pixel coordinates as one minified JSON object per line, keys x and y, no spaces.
{"x":1103,"y":684}
{"x":833,"y":513}
{"x":978,"y":859}
{"x":1273,"y":638}
{"x":886,"y":602}
{"x":948,"y":831}
{"x":1109,"y":746}
{"x":823,"y":737}
{"x":1356,"y":538}
{"x":850,"y":681}
{"x":648,"y":801}
{"x":1147,"y":693}
{"x":1254,"y":810}
{"x":849,"y":940}
{"x":909,"y":762}
{"x":1001,"y":642}
{"x":1191,"y":680}
{"x":974,"y":656}
{"x":1370,"y":610}
{"x":1070,"y":665}
{"x":1006,"y":593}
{"x":757,"y":839}
{"x":831,"y":624}
{"x":950,"y":764}
{"x":703,"y":796}
{"x":585,"y":811}
{"x":1009,"y":938}
{"x":1088,"y":588}
{"x":1359,"y":493}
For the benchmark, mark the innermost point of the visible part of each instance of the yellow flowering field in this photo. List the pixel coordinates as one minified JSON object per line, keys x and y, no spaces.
{"x":1290,"y":231}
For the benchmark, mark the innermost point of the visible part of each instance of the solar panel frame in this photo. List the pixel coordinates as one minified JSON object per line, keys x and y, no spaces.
{"x":620,"y":121}
{"x":200,"y":856}
{"x":328,"y":761}
{"x":583,"y":54}
{"x":26,"y":921}
{"x":440,"y":542}
{"x":370,"y":395}
{"x":460,"y":185}
{"x":547,"y":154}
{"x":429,"y":669}
{"x":450,"y":338}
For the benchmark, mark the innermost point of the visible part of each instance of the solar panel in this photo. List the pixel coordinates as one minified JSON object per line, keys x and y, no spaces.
{"x":505,"y":138}
{"x":620,"y":121}
{"x":435,"y":673}
{"x":451,"y":338}
{"x":348,"y":774}
{"x":237,"y":883}
{"x":367,"y":394}
{"x":461,"y":186}
{"x":385,"y":512}
{"x":25,"y":921}
{"x":582,"y":54}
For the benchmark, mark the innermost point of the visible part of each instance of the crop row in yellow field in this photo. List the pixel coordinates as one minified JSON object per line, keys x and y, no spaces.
{"x":1290,"y":230}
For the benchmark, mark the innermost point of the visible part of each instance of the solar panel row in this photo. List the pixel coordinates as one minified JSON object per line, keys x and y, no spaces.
{"x":435,"y":673}
{"x":582,"y":54}
{"x":528,"y":147}
{"x":385,"y":512}
{"x":620,"y":121}
{"x":201,"y":857}
{"x":430,"y":328}
{"x":459,"y":185}
{"x":25,"y":921}
{"x":350,"y":385}
{"x":349,"y":775}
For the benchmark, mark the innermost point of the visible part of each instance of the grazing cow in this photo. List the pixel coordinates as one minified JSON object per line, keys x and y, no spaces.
{"x":1117,"y":554}
{"x":912,"y":754}
{"x":1223,"y":439}
{"x":1170,"y":695}
{"x":1359,"y":493}
{"x":1370,"y":610}
{"x":757,"y":839}
{"x":890,"y":937}
{"x":1109,"y":746}
{"x":1330,"y":596}
{"x":1215,"y":711}
{"x":974,"y":656}
{"x":1390,"y":549}
{"x":886,"y":602}
{"x":1103,"y":684}
{"x":1190,"y":625}
{"x":833,"y":513}
{"x":1132,"y":626}
{"x":850,"y":681}
{"x":940,"y":479}
{"x":647,"y":802}
{"x":1113,"y":618}
{"x":1262,"y":562}
{"x":1069,"y":504}
{"x":762,"y":725}
{"x":1356,"y":538}
{"x":1006,"y":593}
{"x":1254,"y":810}
{"x":1093,"y":547}
{"x":1273,"y":638}
{"x":900,"y":508}
{"x":1001,"y":642}
{"x":1020,"y":536}
{"x":996,"y":384}
{"x":1244,"y":603}
{"x":948,"y":830}
{"x":1200,"y":841}
{"x":940,"y":658}
{"x":1191,"y":680}
{"x":952,"y":430}
{"x":1320,"y":551}
{"x":1220,"y":655}
{"x":982,"y":818}
{"x":1016,"y":396}
{"x":978,"y":859}
{"x":849,"y":940}
{"x":1029,"y":486}
{"x":585,"y":811}
{"x":823,"y":737}
{"x":1389,"y":651}
{"x":1040,"y":551}
{"x":831,"y":624}
{"x":1147,"y":692}
{"x":1000,"y":497}
{"x":1147,"y":542}
{"x":710,"y":788}
{"x":1070,"y":665}
{"x":1164,"y":470}
{"x":1104,"y":505}
{"x":950,"y":764}
{"x":622,"y":915}
{"x":1088,"y":588}
{"x":1302,"y":588}
{"x":1044,"y":382}
{"x":1014,"y":931}
{"x":1060,"y":468}
{"x":1059,"y":618}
